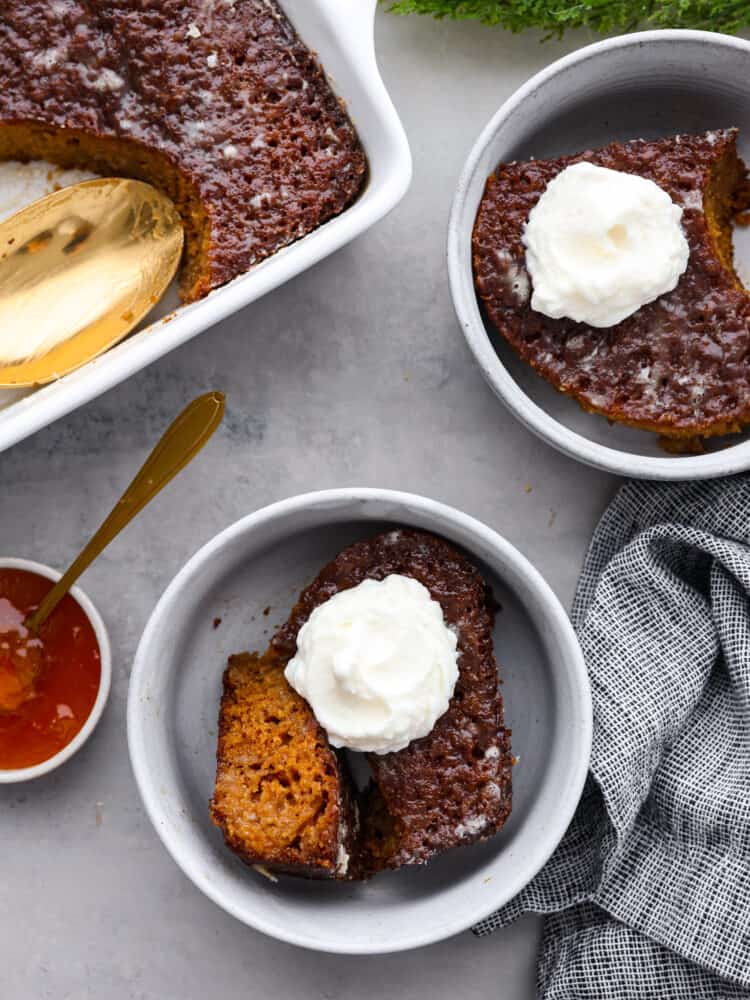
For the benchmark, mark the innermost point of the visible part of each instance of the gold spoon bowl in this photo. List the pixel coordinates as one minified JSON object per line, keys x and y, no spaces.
{"x":79,"y":269}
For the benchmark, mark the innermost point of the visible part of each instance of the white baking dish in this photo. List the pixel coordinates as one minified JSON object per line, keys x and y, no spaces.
{"x":341,"y":32}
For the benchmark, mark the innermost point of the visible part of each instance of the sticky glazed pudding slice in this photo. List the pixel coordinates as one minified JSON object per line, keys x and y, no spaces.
{"x":679,"y":366}
{"x":453,"y":786}
{"x":285,"y":799}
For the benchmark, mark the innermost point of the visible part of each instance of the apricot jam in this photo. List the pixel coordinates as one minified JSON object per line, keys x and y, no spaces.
{"x":49,"y":682}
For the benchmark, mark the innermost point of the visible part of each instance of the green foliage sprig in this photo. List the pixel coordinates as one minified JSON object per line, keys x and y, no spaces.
{"x":603,"y":16}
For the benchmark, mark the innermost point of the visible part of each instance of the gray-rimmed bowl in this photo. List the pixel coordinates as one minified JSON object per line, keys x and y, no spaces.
{"x":647,"y":84}
{"x":265,"y":559}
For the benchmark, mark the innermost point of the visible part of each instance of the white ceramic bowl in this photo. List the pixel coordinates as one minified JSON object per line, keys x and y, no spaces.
{"x":648,"y":84}
{"x":341,"y":32}
{"x":8,"y":777}
{"x":265,"y":559}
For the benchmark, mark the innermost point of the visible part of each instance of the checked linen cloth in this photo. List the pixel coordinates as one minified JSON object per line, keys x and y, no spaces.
{"x":648,"y":895}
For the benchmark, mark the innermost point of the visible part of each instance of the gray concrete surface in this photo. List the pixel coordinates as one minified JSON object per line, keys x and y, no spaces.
{"x":355,"y":373}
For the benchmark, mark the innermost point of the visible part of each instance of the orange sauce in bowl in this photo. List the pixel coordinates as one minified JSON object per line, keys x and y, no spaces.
{"x":49,"y":682}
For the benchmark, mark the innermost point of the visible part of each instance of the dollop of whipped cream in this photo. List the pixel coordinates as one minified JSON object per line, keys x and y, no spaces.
{"x":601,"y":243}
{"x":377,"y":664}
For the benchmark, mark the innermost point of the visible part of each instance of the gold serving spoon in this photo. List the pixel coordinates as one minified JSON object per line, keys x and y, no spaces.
{"x":179,"y":444}
{"x":78,"y":270}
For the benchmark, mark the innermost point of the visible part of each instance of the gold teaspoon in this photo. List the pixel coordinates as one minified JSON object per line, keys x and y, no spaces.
{"x":179,"y":444}
{"x":78,"y":270}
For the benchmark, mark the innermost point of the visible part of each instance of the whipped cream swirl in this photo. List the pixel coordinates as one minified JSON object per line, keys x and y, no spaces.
{"x":601,"y":243}
{"x":377,"y":664}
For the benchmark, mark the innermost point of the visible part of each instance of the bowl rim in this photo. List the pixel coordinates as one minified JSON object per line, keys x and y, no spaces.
{"x":581,"y":724}
{"x":13,"y":775}
{"x":732,"y":459}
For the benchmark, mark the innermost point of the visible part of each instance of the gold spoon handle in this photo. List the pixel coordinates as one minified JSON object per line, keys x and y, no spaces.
{"x":179,"y":444}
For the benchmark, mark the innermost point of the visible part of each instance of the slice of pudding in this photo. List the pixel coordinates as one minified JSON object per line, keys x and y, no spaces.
{"x":680,"y":365}
{"x":453,"y":786}
{"x":284,"y":797}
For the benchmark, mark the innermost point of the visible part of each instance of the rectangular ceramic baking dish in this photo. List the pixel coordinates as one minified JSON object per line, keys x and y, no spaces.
{"x":341,"y":32}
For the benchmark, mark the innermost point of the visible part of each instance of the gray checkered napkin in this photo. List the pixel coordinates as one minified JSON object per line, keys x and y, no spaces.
{"x":648,"y":895}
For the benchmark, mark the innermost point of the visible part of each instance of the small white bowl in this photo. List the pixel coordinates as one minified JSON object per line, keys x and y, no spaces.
{"x":648,"y":84}
{"x":265,"y":559}
{"x":13,"y":775}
